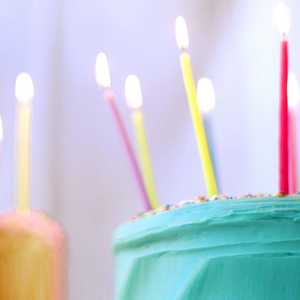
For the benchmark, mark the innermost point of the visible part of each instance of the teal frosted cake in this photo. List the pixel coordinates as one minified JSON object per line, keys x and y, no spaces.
{"x":232,"y":249}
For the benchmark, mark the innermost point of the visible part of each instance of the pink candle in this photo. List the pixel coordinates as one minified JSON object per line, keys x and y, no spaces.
{"x":283,"y":22}
{"x":110,"y":98}
{"x":283,"y":122}
{"x":104,"y":81}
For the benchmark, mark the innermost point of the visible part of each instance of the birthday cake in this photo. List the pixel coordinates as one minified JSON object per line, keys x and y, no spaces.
{"x":31,"y":257}
{"x":228,"y":249}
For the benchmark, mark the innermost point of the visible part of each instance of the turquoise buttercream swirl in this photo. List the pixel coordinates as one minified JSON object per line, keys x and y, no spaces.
{"x":220,"y":250}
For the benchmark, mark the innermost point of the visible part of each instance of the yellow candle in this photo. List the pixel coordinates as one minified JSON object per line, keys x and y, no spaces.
{"x":24,"y":94}
{"x":207,"y":166}
{"x":134,"y":99}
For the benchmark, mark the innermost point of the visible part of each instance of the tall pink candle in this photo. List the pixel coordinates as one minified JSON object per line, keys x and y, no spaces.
{"x":283,"y":122}
{"x":283,"y":23}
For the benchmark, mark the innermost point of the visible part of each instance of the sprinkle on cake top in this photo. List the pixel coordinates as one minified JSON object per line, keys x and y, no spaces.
{"x":200,"y":200}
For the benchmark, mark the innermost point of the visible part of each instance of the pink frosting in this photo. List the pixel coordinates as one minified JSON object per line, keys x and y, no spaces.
{"x":39,"y":225}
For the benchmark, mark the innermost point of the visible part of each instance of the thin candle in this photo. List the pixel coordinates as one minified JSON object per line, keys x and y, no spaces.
{"x":207,"y":166}
{"x":282,"y":19}
{"x":104,"y":81}
{"x":293,"y":98}
{"x":32,"y":246}
{"x":24,"y":92}
{"x":207,"y":102}
{"x":134,"y":98}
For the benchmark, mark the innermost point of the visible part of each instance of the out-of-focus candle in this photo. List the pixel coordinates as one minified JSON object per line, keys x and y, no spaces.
{"x":282,"y":21}
{"x":24,"y":92}
{"x":104,"y":81}
{"x":207,"y":166}
{"x":293,"y":98}
{"x":134,"y":98}
{"x":207,"y":102}
{"x":32,"y":246}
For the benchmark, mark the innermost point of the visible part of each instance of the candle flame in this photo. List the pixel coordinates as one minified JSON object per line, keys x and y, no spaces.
{"x":293,"y":90}
{"x":206,"y":95}
{"x":1,"y":130}
{"x":281,"y":18}
{"x":133,"y":92}
{"x":102,"y":71}
{"x":24,"y":89}
{"x":182,"y":35}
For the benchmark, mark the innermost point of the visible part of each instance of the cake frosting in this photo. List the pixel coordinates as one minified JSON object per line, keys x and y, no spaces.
{"x":32,"y":250}
{"x":233,"y":249}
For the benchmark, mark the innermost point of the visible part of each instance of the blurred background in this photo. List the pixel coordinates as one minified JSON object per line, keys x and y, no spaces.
{"x":80,"y":173}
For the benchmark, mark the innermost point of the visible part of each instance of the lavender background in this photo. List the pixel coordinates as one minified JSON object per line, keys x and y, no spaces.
{"x":80,"y":174}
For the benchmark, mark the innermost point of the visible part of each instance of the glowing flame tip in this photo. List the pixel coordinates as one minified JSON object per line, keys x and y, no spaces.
{"x":102,"y":71}
{"x":133,"y":92}
{"x":24,"y":89}
{"x":182,"y":35}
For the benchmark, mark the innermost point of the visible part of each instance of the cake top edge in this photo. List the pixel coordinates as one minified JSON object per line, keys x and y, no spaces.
{"x":200,"y":211}
{"x":199,"y":200}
